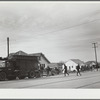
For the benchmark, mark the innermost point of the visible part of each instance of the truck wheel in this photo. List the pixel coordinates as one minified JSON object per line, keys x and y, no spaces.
{"x":31,"y":74}
{"x":11,"y":77}
{"x":2,"y":76}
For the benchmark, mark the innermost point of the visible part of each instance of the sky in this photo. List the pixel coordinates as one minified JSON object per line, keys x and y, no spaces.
{"x":60,"y":30}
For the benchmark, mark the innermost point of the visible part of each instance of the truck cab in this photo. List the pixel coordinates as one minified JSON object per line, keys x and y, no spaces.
{"x":7,"y":70}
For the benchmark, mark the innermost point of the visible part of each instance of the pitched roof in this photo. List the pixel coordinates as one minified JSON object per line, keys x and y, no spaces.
{"x":77,"y":61}
{"x":18,"y":53}
{"x":34,"y":54}
{"x":90,"y":62}
{"x":40,"y":54}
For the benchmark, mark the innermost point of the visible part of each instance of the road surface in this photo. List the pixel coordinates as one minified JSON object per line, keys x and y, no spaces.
{"x":88,"y":80}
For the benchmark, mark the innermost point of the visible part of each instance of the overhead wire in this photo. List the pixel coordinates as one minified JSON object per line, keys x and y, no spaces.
{"x":61,"y":29}
{"x":42,"y":34}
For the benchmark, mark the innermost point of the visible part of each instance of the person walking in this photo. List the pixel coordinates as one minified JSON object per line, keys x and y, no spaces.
{"x":65,"y":70}
{"x":78,"y":70}
{"x":97,"y":66}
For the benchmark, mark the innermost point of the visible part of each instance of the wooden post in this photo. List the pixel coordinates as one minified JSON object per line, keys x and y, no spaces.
{"x":7,"y":46}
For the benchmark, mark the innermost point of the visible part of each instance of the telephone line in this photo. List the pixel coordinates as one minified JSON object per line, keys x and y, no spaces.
{"x":70,"y":27}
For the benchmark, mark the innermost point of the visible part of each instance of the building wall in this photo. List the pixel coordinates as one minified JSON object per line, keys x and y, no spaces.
{"x":71,"y":66}
{"x":43,"y":61}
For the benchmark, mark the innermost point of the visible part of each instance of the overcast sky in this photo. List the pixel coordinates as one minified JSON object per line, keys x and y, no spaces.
{"x":60,"y":30}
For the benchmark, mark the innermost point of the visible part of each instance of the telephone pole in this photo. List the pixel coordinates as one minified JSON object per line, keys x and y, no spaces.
{"x":7,"y":46}
{"x":95,"y":46}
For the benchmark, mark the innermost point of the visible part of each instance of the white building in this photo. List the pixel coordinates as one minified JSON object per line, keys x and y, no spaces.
{"x":72,"y":63}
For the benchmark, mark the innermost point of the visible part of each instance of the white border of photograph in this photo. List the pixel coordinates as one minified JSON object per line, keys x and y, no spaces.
{"x":50,"y":93}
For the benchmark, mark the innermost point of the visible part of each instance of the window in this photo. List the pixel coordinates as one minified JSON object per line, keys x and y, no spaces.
{"x":43,"y":65}
{"x":2,"y":64}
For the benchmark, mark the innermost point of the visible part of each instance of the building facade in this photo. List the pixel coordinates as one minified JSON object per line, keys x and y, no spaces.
{"x":72,"y":63}
{"x":42,"y":59}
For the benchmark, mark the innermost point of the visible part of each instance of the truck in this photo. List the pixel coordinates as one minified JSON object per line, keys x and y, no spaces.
{"x":20,"y":66}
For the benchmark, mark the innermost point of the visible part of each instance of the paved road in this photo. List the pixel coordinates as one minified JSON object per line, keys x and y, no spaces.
{"x":87,"y":80}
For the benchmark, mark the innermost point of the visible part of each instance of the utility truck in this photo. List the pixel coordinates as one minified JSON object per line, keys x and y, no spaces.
{"x":20,"y":66}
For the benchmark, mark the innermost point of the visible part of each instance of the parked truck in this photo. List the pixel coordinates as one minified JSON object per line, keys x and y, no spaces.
{"x":19,"y":66}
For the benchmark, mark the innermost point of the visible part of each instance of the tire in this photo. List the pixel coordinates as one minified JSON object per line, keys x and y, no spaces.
{"x":11,"y":77}
{"x":31,"y":74}
{"x":2,"y":76}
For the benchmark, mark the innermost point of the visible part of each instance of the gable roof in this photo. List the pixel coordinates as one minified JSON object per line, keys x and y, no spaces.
{"x":40,"y":54}
{"x":18,"y":53}
{"x":77,"y":61}
{"x":34,"y":54}
{"x":90,"y":62}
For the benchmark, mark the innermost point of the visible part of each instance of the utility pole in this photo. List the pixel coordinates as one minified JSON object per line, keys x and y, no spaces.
{"x":7,"y":46}
{"x":94,"y":46}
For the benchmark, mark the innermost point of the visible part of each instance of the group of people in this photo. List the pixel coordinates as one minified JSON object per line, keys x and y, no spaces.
{"x":48,"y":69}
{"x":66,"y":70}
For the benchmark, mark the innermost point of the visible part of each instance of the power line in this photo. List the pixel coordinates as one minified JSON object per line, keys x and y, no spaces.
{"x":42,"y":34}
{"x":69,"y":27}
